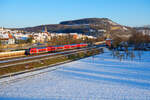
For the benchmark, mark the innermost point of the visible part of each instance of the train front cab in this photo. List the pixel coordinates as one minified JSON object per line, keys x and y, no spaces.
{"x":32,"y":51}
{"x":27,"y":52}
{"x":38,"y":50}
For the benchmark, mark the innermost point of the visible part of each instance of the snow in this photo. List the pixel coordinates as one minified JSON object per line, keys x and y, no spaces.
{"x":101,"y":77}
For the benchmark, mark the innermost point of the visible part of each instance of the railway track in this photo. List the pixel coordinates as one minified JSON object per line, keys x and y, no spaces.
{"x":59,"y":55}
{"x":41,"y":56}
{"x":36,"y":60}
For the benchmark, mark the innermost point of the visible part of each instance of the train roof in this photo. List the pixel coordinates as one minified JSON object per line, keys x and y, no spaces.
{"x":56,"y":46}
{"x":64,"y":45}
{"x":38,"y":48}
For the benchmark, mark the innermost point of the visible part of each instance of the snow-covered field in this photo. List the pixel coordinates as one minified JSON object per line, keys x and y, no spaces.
{"x":95,"y":78}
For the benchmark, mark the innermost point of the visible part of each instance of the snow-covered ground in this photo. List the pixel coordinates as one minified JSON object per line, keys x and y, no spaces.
{"x":95,"y":78}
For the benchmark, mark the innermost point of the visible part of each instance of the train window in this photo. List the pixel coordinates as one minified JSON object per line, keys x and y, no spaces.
{"x":32,"y":50}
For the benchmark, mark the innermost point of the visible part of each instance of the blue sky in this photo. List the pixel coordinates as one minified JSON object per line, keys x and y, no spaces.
{"x":24,"y":13}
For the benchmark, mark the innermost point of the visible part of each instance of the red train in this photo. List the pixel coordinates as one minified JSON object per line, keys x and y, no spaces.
{"x":54,"y":48}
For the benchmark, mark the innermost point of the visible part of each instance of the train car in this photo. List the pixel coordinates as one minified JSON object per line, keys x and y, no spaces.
{"x":51,"y":48}
{"x":78,"y":45}
{"x":32,"y":51}
{"x":12,"y":53}
{"x":37,"y":50}
{"x":82,"y":45}
{"x":73,"y":46}
{"x":42,"y":49}
{"x":54,"y":48}
{"x":67,"y":46}
{"x":60,"y":47}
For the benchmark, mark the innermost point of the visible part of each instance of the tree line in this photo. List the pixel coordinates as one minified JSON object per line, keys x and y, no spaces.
{"x":137,"y":40}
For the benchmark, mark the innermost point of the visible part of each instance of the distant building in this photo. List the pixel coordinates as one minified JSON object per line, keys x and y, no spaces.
{"x":144,"y":31}
{"x":41,"y":37}
{"x":21,"y":36}
{"x":7,"y":38}
{"x":101,"y":30}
